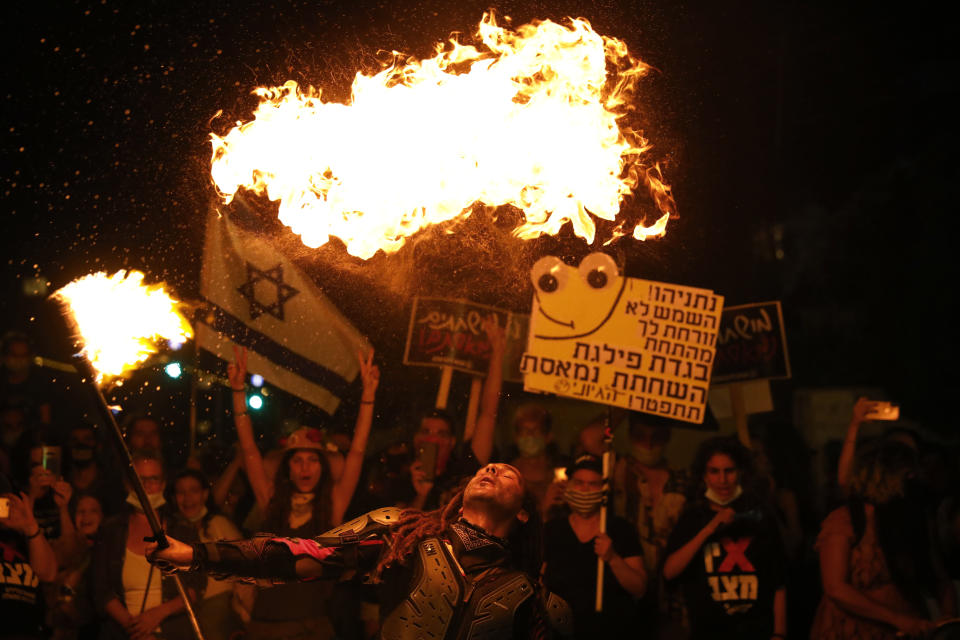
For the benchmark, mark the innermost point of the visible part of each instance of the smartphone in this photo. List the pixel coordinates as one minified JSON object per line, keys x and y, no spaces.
{"x":4,"y":507}
{"x":427,"y":457}
{"x":883,"y":411}
{"x":50,"y":459}
{"x":560,"y":474}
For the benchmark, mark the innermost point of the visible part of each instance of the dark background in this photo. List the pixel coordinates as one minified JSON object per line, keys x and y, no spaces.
{"x":811,"y":152}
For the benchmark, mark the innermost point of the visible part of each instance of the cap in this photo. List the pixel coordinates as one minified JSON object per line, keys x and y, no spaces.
{"x":593,"y":463}
{"x":304,"y":438}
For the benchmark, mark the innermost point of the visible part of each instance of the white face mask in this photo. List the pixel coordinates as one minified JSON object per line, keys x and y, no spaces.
{"x":156,"y":500}
{"x":716,"y":499}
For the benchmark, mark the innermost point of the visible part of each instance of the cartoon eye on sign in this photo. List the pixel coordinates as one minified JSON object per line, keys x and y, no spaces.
{"x":575,"y":301}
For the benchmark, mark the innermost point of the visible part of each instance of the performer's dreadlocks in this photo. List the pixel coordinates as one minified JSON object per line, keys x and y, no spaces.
{"x":524,"y":541}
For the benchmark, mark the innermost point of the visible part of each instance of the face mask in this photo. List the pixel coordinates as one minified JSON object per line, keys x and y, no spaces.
{"x":156,"y":500}
{"x":531,"y":445}
{"x":648,"y":456}
{"x":583,"y":503}
{"x":714,"y":498}
{"x":81,"y":455}
{"x":197,"y":518}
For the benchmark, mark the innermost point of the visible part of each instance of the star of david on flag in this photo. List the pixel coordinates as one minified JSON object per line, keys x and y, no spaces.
{"x":257,"y":298}
{"x":274,"y":277}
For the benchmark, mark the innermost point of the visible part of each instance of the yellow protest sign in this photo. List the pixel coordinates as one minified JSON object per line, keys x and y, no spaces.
{"x":599,"y":336}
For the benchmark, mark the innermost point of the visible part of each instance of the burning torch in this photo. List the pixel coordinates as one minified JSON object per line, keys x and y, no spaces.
{"x":117,"y":321}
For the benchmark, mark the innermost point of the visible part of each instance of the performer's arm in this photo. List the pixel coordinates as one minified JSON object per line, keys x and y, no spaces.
{"x":482,"y":441}
{"x":356,"y":545}
{"x":267,"y":558}
{"x":252,"y":460}
{"x":347,"y":483}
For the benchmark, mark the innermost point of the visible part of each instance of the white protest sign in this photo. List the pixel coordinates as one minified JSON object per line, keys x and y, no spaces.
{"x":598,"y":336}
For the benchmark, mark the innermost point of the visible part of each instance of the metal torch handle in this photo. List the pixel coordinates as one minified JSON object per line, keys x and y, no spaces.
{"x":89,"y":376}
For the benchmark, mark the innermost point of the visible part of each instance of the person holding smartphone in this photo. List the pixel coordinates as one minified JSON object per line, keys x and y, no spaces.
{"x":24,"y":552}
{"x":436,"y":476}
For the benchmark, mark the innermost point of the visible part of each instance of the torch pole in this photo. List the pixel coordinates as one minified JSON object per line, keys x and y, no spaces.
{"x":89,"y":376}
{"x":607,"y":493}
{"x":193,"y":396}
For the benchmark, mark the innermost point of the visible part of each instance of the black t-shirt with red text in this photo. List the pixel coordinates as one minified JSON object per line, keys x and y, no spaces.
{"x":729,"y":585}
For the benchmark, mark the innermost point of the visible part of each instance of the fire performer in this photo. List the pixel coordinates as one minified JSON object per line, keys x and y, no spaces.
{"x":465,"y":571}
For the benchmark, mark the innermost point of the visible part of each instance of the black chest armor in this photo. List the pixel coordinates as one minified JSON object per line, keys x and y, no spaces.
{"x":445,"y":604}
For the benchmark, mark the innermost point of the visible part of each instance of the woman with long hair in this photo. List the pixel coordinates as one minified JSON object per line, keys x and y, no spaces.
{"x":138,"y":601}
{"x":726,"y":552}
{"x":875,"y":554}
{"x":302,"y":500}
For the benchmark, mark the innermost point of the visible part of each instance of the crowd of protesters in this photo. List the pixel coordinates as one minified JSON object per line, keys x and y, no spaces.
{"x":740,"y":545}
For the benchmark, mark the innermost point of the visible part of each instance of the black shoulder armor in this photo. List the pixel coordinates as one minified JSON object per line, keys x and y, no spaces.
{"x":372,"y":524}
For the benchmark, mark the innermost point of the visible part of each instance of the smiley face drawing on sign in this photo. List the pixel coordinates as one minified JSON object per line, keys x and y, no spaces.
{"x":574,"y":302}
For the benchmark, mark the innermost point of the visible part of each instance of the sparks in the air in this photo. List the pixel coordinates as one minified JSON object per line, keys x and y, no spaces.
{"x":121,"y":321}
{"x":531,"y":117}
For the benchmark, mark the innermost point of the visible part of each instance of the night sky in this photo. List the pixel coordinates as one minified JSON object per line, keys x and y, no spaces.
{"x":811,"y":153}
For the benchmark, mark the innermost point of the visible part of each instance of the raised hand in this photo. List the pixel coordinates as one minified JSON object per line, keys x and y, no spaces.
{"x":20,"y":516}
{"x":370,"y":374}
{"x":62,"y":492}
{"x":495,"y":333}
{"x":862,"y":408}
{"x":237,"y":370}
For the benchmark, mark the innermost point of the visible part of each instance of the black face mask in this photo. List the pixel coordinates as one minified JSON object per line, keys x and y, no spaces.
{"x":81,"y":455}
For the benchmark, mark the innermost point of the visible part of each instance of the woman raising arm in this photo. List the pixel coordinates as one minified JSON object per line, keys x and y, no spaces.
{"x":345,"y":485}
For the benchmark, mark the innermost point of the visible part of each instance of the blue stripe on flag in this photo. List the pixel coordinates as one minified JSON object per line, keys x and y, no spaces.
{"x":234,"y":328}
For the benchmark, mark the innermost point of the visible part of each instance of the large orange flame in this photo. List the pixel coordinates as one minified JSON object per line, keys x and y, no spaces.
{"x":530,"y":118}
{"x":120,"y":320}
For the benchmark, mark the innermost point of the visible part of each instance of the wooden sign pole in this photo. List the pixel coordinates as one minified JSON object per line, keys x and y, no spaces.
{"x":473,"y":407}
{"x":607,"y":491}
{"x":443,"y":392}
